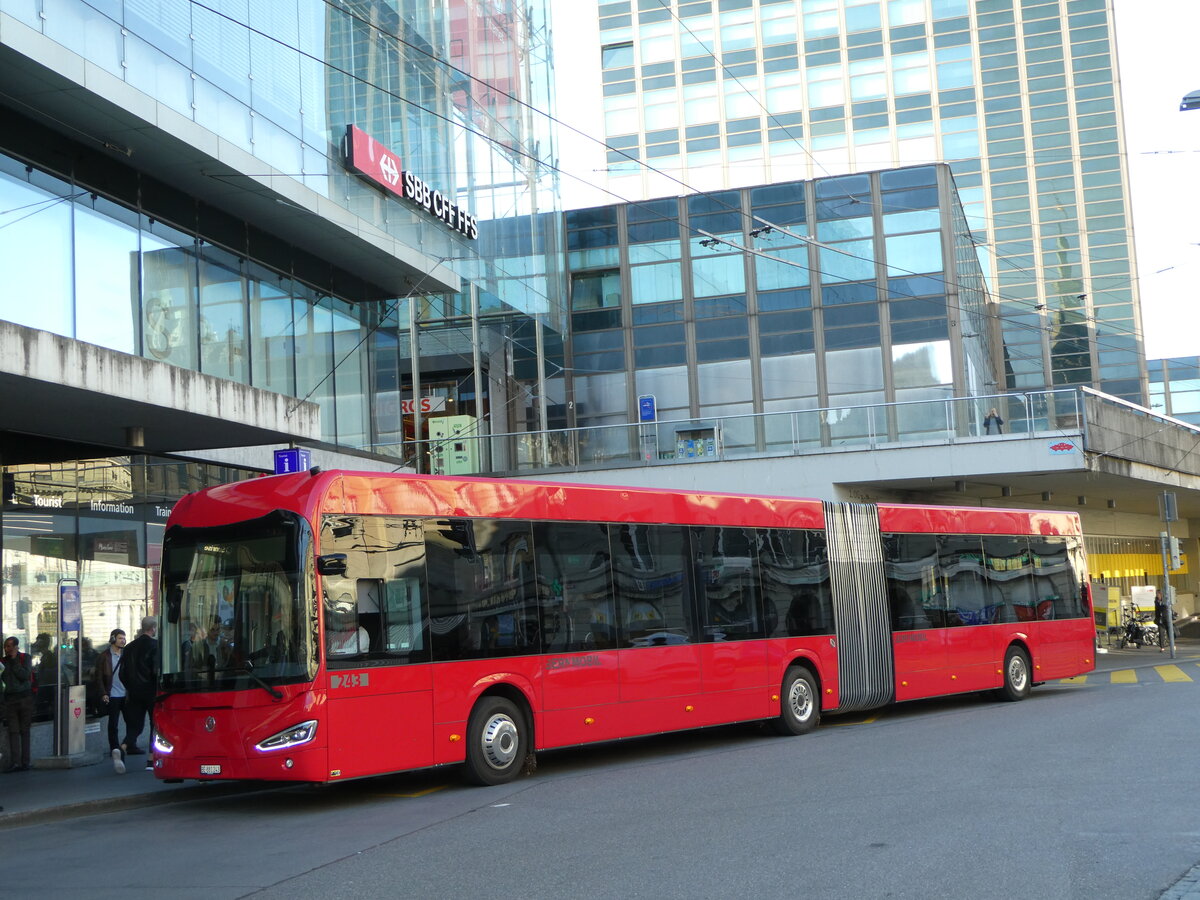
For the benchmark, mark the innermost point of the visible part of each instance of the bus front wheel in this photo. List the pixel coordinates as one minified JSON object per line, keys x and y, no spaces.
{"x":497,"y":742}
{"x":800,"y":703}
{"x":1018,"y":678}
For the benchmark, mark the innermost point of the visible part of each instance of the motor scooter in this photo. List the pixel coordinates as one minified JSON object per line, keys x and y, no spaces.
{"x":1140,"y":631}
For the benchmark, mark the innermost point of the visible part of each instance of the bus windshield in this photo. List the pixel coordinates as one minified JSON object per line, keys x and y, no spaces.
{"x":237,"y":610}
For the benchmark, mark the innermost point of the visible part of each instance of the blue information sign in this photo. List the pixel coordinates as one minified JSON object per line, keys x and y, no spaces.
{"x":70,"y":611}
{"x":646,"y":410}
{"x":292,"y":460}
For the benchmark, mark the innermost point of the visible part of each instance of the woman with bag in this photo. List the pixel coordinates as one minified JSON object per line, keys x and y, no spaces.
{"x":112,"y":693}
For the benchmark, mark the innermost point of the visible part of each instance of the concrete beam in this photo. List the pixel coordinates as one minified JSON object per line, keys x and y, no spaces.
{"x":59,"y":389}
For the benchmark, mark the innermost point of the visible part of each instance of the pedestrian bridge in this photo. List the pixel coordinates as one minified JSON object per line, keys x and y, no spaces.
{"x":1058,"y":449}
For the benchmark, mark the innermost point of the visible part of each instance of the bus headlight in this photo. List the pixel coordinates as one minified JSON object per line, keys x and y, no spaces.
{"x":289,"y":737}
{"x":162,"y":747}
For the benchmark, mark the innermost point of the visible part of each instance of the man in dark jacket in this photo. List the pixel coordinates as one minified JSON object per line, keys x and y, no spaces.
{"x":18,"y":703}
{"x":139,"y":674}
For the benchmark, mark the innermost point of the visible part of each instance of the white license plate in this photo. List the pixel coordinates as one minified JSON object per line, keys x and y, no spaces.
{"x":210,"y":770}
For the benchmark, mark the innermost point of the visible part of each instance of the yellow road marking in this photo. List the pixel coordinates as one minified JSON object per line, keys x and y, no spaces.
{"x":1172,"y":673}
{"x":1124,"y":676}
{"x":432,"y":790}
{"x":859,"y":722}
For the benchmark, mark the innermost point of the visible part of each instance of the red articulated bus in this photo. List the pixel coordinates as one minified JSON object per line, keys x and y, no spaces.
{"x":330,"y":625}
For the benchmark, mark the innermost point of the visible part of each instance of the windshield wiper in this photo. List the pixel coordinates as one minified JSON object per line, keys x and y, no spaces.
{"x":248,"y":668}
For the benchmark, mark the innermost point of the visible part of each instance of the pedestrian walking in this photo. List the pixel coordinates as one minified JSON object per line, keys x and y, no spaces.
{"x":1160,"y":618}
{"x":993,"y":421}
{"x":111,"y":691}
{"x":139,"y":674}
{"x":18,"y":703}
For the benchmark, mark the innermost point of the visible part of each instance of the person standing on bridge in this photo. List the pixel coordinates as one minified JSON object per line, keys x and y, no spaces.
{"x":993,"y":420}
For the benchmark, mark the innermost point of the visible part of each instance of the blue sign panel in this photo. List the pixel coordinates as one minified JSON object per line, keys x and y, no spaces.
{"x":293,"y":460}
{"x":70,"y":612}
{"x":646,"y":410}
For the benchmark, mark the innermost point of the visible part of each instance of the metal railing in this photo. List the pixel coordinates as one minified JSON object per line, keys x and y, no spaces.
{"x":758,"y":435}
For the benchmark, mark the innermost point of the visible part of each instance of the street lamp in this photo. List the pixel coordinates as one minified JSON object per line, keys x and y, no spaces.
{"x":1190,"y":101}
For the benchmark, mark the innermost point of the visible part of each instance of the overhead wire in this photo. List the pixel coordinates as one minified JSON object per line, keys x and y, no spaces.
{"x":524,"y":153}
{"x":758,"y":220}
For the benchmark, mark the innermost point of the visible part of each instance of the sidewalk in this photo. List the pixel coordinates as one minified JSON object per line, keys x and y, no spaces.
{"x":1109,"y":658}
{"x":50,"y":795}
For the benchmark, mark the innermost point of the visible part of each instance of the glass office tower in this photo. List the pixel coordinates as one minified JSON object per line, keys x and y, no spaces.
{"x":695,"y":302}
{"x":1018,"y":95}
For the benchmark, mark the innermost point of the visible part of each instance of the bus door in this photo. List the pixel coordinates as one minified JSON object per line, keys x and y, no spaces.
{"x":860,"y":605}
{"x":974,"y":650}
{"x":379,"y":692}
{"x":733,"y":624}
{"x":579,"y":633}
{"x":660,"y":658}
{"x":917,"y":598}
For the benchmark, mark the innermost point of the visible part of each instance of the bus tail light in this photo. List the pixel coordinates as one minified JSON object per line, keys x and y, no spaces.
{"x":289,"y":737}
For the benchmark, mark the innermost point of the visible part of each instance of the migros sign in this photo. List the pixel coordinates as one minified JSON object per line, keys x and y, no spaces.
{"x":381,"y":167}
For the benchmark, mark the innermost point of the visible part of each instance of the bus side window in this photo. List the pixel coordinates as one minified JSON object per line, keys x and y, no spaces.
{"x":402,"y":616}
{"x":403,"y":630}
{"x":574,"y":585}
{"x":652,"y":581}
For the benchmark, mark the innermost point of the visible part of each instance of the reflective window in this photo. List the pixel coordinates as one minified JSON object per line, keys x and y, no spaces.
{"x":574,"y":586}
{"x":652,"y":585}
{"x":377,"y":608}
{"x":915,"y":591}
{"x":350,"y":384}
{"x":656,"y":283}
{"x":960,"y":560}
{"x":169,"y":295}
{"x":107,"y":296}
{"x":726,"y":566}
{"x":914,"y":253}
{"x":483,"y":598}
{"x":272,"y":346}
{"x":794,"y":566}
{"x":314,"y":357}
{"x":1058,"y":576}
{"x":35,"y":257}
{"x":1008,"y":572}
{"x":712,"y":276}
{"x":596,"y":290}
{"x":850,"y":261}
{"x":222,"y":315}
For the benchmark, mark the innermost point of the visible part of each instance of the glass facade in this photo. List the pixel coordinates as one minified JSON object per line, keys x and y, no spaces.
{"x":1017,"y":95}
{"x":99,"y":522}
{"x":1175,"y":387}
{"x":884,"y":304}
{"x":122,"y":260}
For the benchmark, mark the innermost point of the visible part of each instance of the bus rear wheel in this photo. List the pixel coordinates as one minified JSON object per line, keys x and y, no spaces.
{"x":800,"y":703}
{"x":1018,"y":679}
{"x":497,"y":742}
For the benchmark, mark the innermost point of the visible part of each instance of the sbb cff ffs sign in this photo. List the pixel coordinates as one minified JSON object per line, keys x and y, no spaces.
{"x":425,"y":405}
{"x":381,"y":167}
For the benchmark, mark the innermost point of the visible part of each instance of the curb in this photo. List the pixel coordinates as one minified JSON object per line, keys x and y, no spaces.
{"x":23,"y":818}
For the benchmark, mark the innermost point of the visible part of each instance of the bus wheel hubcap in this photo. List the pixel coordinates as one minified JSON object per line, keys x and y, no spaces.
{"x":500,"y":741}
{"x":800,"y":699}
{"x":1016,"y":673}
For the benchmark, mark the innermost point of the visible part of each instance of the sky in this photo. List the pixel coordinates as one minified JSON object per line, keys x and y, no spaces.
{"x":1156,"y":52}
{"x":1158,"y":64}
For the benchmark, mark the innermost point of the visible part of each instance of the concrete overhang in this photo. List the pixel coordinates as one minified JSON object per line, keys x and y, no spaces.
{"x":43,"y":80}
{"x":64,"y":399}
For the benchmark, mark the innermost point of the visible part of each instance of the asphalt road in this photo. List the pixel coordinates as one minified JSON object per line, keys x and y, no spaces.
{"x":1081,"y":791}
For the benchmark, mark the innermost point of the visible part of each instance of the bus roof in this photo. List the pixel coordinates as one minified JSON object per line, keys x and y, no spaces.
{"x":406,"y":494}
